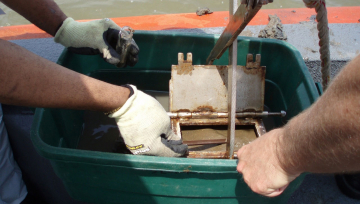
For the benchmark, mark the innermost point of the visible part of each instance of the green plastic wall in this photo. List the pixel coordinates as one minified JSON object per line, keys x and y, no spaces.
{"x":99,"y":177}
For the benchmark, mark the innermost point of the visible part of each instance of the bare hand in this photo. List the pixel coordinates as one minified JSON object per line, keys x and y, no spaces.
{"x":261,"y":168}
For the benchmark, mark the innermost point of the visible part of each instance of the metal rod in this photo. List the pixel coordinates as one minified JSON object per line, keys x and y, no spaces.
{"x":231,"y":89}
{"x":225,"y":115}
{"x":205,"y":142}
{"x":209,"y":155}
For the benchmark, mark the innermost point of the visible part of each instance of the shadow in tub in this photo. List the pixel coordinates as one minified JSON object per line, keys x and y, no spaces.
{"x":100,"y":133}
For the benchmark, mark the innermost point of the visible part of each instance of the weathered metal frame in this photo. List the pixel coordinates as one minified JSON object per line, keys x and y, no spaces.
{"x":194,"y":102}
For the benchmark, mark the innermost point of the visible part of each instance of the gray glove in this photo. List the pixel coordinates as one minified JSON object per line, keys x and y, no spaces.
{"x":145,"y":127}
{"x":100,"y":36}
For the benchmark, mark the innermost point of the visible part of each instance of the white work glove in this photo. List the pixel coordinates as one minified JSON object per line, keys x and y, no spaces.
{"x":100,"y":36}
{"x":145,"y":127}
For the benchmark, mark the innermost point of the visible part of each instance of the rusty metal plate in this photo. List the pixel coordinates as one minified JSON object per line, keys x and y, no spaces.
{"x":243,"y":135}
{"x":199,"y":88}
{"x":190,"y":130}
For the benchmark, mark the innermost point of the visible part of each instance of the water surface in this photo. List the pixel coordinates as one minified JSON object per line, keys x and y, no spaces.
{"x":100,"y":133}
{"x":91,"y":9}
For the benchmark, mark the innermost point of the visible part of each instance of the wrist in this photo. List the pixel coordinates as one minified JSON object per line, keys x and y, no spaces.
{"x":287,"y":161}
{"x":131,"y":90}
{"x":125,"y":92}
{"x":64,"y":30}
{"x":59,"y":26}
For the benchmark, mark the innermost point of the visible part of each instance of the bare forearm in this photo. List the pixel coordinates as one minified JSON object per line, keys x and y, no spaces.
{"x":29,"y":80}
{"x":43,"y":13}
{"x":326,"y":137}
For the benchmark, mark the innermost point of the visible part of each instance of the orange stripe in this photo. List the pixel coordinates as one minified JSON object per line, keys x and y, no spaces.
{"x":191,"y":20}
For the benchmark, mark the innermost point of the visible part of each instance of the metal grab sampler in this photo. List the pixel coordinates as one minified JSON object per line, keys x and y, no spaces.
{"x":199,"y":97}
{"x":239,"y":17}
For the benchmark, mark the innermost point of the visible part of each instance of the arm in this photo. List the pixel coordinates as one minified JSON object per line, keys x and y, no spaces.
{"x":323,"y":139}
{"x":45,"y":14}
{"x":29,"y":80}
{"x":328,"y":139}
{"x":94,"y":37}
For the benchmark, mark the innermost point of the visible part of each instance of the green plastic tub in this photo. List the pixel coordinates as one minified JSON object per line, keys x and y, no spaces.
{"x":100,"y":177}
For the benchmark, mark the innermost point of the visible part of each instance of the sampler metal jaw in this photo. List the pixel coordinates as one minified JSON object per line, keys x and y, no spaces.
{"x":199,"y":97}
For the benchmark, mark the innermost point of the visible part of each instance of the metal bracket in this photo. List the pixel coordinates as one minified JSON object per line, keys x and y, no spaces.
{"x":250,"y":63}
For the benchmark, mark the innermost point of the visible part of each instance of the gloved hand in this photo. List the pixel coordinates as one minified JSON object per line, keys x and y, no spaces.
{"x":145,"y":127}
{"x":99,"y":36}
